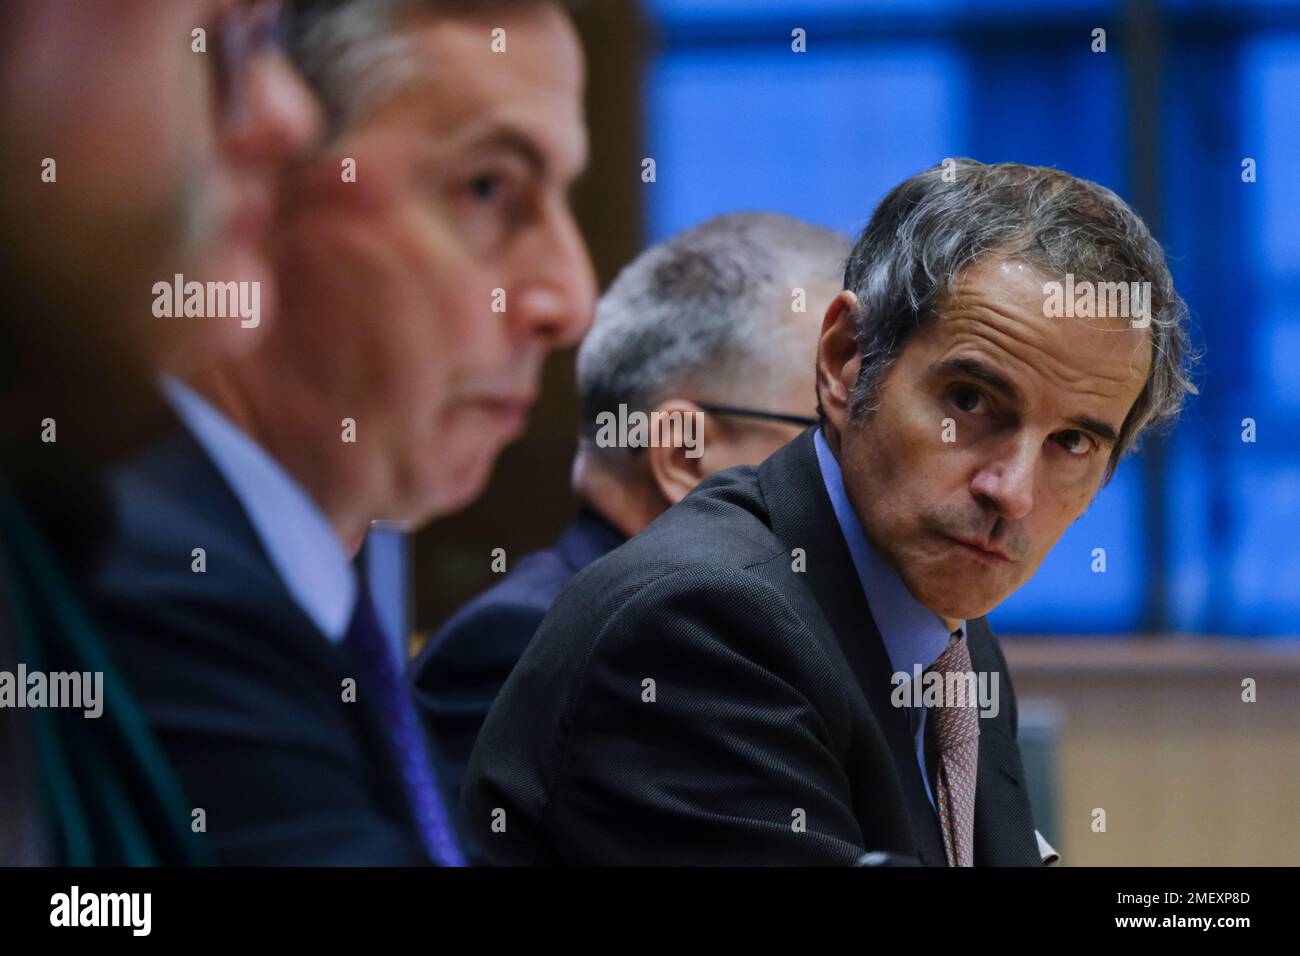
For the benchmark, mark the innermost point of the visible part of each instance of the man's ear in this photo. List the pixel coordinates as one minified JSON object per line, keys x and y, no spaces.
{"x":838,"y":358}
{"x":677,"y":464}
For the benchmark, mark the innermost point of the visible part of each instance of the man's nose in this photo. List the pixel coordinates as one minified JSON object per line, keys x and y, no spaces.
{"x":558,"y":297}
{"x":1006,"y":481}
{"x":283,"y":118}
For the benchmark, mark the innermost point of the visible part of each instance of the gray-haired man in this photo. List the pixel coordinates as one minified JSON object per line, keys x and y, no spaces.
{"x":716,"y":328}
{"x":793,"y":665}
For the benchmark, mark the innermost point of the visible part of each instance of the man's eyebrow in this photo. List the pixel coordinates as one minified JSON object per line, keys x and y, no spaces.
{"x":507,"y":139}
{"x":513,"y":140}
{"x":978,"y":370}
{"x":1099,"y":428}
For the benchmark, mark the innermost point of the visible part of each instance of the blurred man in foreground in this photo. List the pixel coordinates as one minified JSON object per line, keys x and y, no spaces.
{"x":129,"y":155}
{"x":752,"y":679}
{"x":428,"y":262}
{"x":720,"y":324}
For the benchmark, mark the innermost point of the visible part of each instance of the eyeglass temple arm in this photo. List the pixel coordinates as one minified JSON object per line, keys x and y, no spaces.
{"x":755,"y":413}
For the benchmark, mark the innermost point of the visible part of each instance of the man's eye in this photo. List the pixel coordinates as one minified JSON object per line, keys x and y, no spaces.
{"x":1075,"y":442}
{"x":966,"y":398}
{"x":485,"y":187}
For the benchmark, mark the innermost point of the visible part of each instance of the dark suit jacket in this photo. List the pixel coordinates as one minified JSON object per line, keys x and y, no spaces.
{"x":459,"y":673}
{"x":242,"y":690}
{"x":771,"y":696}
{"x":76,"y":791}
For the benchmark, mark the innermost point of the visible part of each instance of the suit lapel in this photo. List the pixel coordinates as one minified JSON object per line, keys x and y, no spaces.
{"x":802,"y":517}
{"x":177,"y":471}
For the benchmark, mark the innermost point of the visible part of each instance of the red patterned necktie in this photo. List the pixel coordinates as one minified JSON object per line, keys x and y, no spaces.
{"x":956,"y":732}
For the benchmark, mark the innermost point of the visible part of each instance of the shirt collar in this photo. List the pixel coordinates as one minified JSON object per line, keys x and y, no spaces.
{"x":913,"y":634}
{"x":301,"y":543}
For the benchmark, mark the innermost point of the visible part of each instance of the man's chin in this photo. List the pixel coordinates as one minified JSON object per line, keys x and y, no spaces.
{"x":948,"y":600}
{"x":467,"y":479}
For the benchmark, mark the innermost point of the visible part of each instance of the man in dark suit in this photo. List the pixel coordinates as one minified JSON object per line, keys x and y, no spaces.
{"x":126,"y":159}
{"x":717,"y":295}
{"x":383,"y":389}
{"x":276,"y":730}
{"x":750,"y":679}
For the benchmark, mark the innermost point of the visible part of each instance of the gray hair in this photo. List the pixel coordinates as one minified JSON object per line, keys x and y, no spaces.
{"x":707,"y":312}
{"x":356,"y":53}
{"x":938,"y":223}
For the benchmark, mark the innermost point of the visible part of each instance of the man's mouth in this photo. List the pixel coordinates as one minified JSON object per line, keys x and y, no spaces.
{"x":979,"y":549}
{"x":512,"y":409}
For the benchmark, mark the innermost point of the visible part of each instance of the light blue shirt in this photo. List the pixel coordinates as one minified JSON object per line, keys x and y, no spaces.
{"x":913,"y":634}
{"x":300,"y":541}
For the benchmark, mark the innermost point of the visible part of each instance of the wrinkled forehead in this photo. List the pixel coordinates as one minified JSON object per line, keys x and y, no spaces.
{"x":1004,"y":311}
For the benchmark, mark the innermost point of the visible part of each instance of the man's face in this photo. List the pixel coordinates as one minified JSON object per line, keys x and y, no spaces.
{"x":1033,"y":403}
{"x":425,"y":295}
{"x":148,"y":179}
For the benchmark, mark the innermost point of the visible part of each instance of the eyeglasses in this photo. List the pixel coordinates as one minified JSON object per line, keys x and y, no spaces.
{"x":244,"y":31}
{"x":801,"y":420}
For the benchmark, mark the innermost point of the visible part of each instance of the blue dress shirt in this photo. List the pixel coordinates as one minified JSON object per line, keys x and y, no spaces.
{"x":300,"y":541}
{"x":913,"y":634}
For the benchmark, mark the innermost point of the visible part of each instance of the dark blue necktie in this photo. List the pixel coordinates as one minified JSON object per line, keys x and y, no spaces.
{"x":366,"y":640}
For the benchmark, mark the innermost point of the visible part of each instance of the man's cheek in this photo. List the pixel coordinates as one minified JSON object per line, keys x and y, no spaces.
{"x":1069,"y":512}
{"x":474,"y":305}
{"x":381,"y":263}
{"x":924,"y":435}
